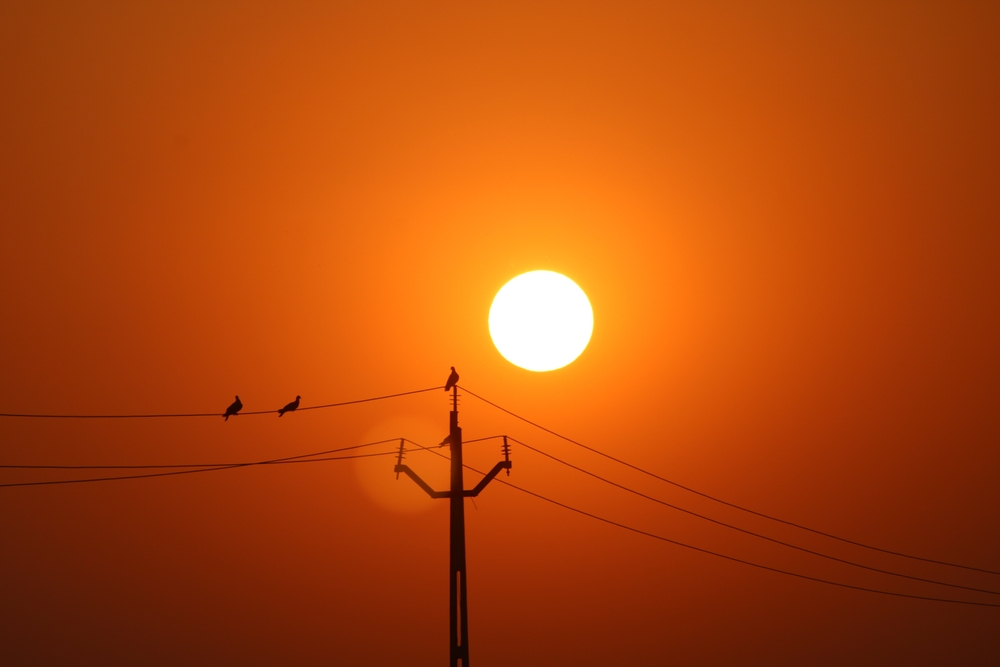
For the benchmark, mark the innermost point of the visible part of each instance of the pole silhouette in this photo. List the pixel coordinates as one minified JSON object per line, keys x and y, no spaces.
{"x":458,"y":630}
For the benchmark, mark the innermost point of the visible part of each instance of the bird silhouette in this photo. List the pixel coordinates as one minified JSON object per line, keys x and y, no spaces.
{"x":452,"y":379}
{"x":233,"y":409}
{"x":291,"y":407}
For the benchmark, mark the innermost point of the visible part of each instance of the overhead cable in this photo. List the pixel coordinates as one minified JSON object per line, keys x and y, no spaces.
{"x":190,"y":465}
{"x":217,"y":414}
{"x":726,"y":502}
{"x":750,"y":532}
{"x":722,"y":555}
{"x":301,"y":458}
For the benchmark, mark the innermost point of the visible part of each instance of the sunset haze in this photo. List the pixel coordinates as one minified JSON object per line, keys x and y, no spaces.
{"x":786,"y":219}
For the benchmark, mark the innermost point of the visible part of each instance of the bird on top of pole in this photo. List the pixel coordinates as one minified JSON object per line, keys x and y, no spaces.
{"x":233,"y":409}
{"x":452,"y":380}
{"x":291,"y":407}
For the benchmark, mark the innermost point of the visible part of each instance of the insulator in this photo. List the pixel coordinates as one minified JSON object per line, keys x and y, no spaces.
{"x":506,"y":453}
{"x":402,"y":453}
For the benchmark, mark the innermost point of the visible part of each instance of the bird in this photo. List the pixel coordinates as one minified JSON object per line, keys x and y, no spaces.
{"x":291,"y":407}
{"x":233,"y":409}
{"x":452,"y":379}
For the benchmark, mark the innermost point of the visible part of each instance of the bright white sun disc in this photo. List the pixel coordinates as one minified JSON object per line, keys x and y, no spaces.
{"x":541,"y":321}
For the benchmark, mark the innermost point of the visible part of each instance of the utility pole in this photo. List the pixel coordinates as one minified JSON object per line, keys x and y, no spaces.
{"x":458,"y":581}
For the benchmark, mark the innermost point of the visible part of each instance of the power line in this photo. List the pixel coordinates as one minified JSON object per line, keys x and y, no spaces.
{"x":190,"y":465}
{"x":184,"y":472}
{"x":302,"y":458}
{"x":489,"y":437}
{"x":750,"y":532}
{"x":310,"y":458}
{"x":218,"y":414}
{"x":746,"y":562}
{"x":726,"y":502}
{"x":721,"y":555}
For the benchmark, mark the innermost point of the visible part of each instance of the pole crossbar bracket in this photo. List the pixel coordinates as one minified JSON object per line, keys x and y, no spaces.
{"x":466,"y":493}
{"x":405,"y":469}
{"x":503,"y":465}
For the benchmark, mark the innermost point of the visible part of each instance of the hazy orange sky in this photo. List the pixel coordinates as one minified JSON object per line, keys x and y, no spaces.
{"x":785,"y":216}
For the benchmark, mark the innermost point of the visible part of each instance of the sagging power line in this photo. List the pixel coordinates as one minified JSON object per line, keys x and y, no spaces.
{"x":311,"y":458}
{"x":773,"y":540}
{"x":227,"y":413}
{"x":194,"y":468}
{"x":717,"y":554}
{"x":315,"y":457}
{"x":726,"y":502}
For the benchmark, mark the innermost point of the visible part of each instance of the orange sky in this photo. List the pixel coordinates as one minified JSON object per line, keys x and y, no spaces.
{"x":786,"y":219}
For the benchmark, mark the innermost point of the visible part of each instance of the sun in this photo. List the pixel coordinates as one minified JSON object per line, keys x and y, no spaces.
{"x":541,"y":321}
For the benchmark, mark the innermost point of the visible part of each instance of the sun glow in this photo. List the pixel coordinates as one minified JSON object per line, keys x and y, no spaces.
{"x":541,"y":321}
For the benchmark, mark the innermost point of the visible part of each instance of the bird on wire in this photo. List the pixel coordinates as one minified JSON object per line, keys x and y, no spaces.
{"x":233,"y":409}
{"x":291,"y":407}
{"x":452,"y":380}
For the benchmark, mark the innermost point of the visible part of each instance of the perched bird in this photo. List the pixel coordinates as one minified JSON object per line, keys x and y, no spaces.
{"x":452,"y":380}
{"x":446,"y":441}
{"x":291,"y":407}
{"x":233,"y":409}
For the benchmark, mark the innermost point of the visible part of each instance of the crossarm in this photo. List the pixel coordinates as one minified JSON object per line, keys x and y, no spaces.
{"x":421,"y":483}
{"x":503,"y":465}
